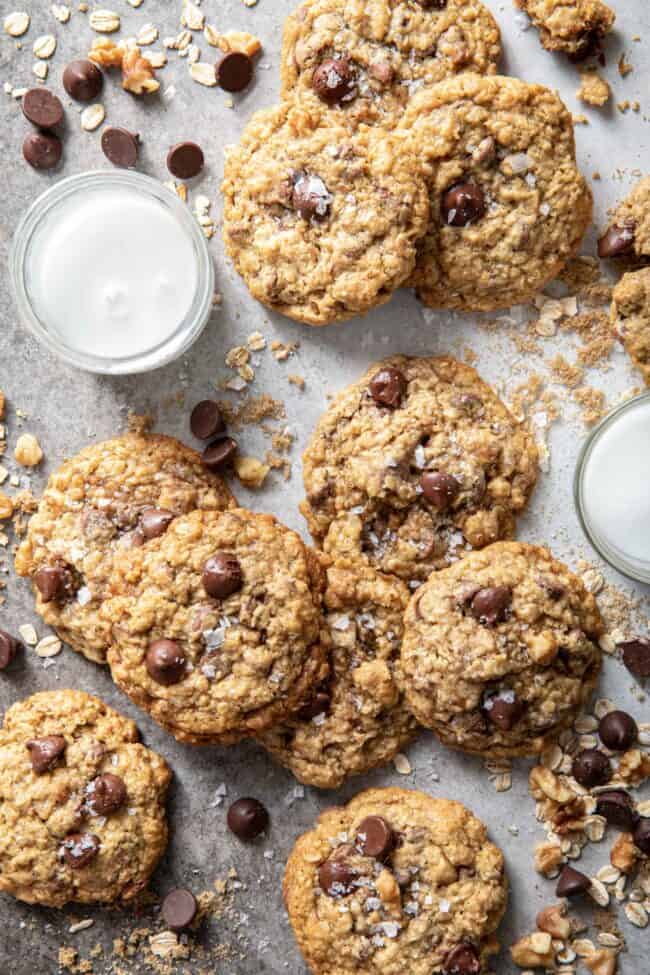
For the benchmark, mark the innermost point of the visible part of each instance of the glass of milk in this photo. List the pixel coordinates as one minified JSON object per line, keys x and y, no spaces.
{"x":612,"y":488}
{"x":111,"y":271}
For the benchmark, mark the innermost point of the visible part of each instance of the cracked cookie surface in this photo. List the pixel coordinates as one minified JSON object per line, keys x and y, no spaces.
{"x":631,"y":317}
{"x":500,"y":651}
{"x":574,"y":26}
{"x":357,"y":719}
{"x":414,"y":465}
{"x":364,"y":58}
{"x":217,"y":625}
{"x":628,"y":235}
{"x":396,"y":882}
{"x":321,"y":219}
{"x":81,"y":802}
{"x":509,"y":207}
{"x":112,"y":495}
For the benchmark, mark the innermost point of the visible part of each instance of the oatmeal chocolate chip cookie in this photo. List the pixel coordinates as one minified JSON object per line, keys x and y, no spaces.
{"x":82,"y":803}
{"x":321,"y":219}
{"x":576,"y":27}
{"x":509,"y":207}
{"x":415,"y":463}
{"x":217,"y":625}
{"x":628,"y":235}
{"x":631,"y":317}
{"x":356,"y":719}
{"x":396,"y":882}
{"x":500,"y":651}
{"x":365,"y":57}
{"x":113,"y":495}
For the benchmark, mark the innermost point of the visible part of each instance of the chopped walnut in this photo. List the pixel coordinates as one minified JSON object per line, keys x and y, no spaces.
{"x":602,"y":962}
{"x":534,"y":951}
{"x":548,"y":858}
{"x":624,"y":854}
{"x":6,"y":506}
{"x":634,"y":767}
{"x":250,"y":471}
{"x":544,"y":784}
{"x":236,"y":40}
{"x":553,"y":921}
{"x":106,"y":53}
{"x":28,"y":450}
{"x":138,"y":75}
{"x":594,"y":90}
{"x":388,"y":890}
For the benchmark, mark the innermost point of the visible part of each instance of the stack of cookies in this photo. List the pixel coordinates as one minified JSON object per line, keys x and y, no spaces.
{"x":399,"y":157}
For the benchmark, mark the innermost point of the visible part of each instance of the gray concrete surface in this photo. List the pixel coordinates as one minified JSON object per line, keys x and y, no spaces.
{"x":67,"y":409}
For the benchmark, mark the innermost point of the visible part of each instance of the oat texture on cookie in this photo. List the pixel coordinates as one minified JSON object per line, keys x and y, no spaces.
{"x":82,"y":809}
{"x":364,"y":58}
{"x":321,"y":218}
{"x":500,"y":651}
{"x":509,"y":207}
{"x":414,"y":465}
{"x":394,"y":882}
{"x":112,"y":496}
{"x":356,"y":719}
{"x":576,"y":27}
{"x":217,"y":625}
{"x":631,"y":317}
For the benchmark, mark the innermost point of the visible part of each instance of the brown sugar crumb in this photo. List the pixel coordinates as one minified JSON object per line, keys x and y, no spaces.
{"x":592,"y":403}
{"x":580,"y":119}
{"x":623,"y":107}
{"x":139,"y":424}
{"x":252,"y":410}
{"x":593,"y":90}
{"x":296,"y":380}
{"x":564,"y":372}
{"x":282,"y":352}
{"x":624,"y":67}
{"x":278,"y":463}
{"x":282,"y":440}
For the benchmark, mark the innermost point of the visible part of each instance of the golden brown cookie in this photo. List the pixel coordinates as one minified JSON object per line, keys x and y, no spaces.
{"x":509,"y":207}
{"x":576,"y":27}
{"x":217,"y":625}
{"x":112,"y":495}
{"x":356,"y":719}
{"x":500,"y":651}
{"x":82,"y":803}
{"x":321,"y":218}
{"x":631,"y":317}
{"x":364,"y":58}
{"x":396,"y":882}
{"x":628,"y":235}
{"x":415,"y":464}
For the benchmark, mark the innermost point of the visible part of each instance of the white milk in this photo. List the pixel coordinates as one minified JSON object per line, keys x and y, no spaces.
{"x":111,"y":272}
{"x":615,"y":492}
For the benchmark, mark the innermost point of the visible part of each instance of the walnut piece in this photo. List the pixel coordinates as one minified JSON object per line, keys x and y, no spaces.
{"x":624,"y":854}
{"x":545,"y":785}
{"x":250,"y":471}
{"x":548,"y":858}
{"x":236,"y":40}
{"x":6,"y":506}
{"x":553,"y":921}
{"x":28,"y":450}
{"x":106,"y":53}
{"x":138,"y":76}
{"x":534,"y":951}
{"x":634,"y":767}
{"x":602,"y":962}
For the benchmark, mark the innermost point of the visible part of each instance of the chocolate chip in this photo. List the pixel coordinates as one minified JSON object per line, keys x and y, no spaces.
{"x":642,"y":836}
{"x":234,"y":71}
{"x":636,"y":657}
{"x":8,"y":649}
{"x":591,"y":768}
{"x":440,"y":488}
{"x":336,"y":877}
{"x":45,"y":752}
{"x":219,"y":453}
{"x":179,"y":909}
{"x":617,"y":241}
{"x":154,"y":522}
{"x":120,"y":147}
{"x":490,"y":605}
{"x":462,"y":960}
{"x":375,"y":838}
{"x":319,"y":704}
{"x":42,"y":108}
{"x":618,"y":731}
{"x":222,"y":575}
{"x":433,"y":4}
{"x":80,"y":848}
{"x":571,"y":883}
{"x":618,"y":809}
{"x":206,"y":420}
{"x":53,"y":582}
{"x":388,"y":387}
{"x":247,"y":818}
{"x":42,"y":150}
{"x":310,"y":197}
{"x":463,"y":204}
{"x":105,"y":794}
{"x":503,"y":708}
{"x":334,"y":80}
{"x":83,"y":80}
{"x":185,"y":160}
{"x":165,"y":662}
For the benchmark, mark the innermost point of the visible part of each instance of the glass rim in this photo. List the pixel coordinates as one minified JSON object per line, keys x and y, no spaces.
{"x":170,"y":348}
{"x":631,"y":570}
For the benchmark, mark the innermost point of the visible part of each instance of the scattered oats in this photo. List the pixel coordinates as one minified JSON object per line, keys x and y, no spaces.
{"x":135,"y":3}
{"x":157,"y":59}
{"x":599,"y":892}
{"x":147,"y":34}
{"x":192,"y":16}
{"x":28,"y":634}
{"x":503,"y":783}
{"x":552,"y":757}
{"x":82,"y":925}
{"x":61,"y":12}
{"x":17,"y":23}
{"x":593,"y":581}
{"x":585,"y":724}
{"x":402,"y":764}
{"x":19,"y":92}
{"x":204,"y":74}
{"x":104,"y":21}
{"x":49,"y":646}
{"x":608,"y":940}
{"x":588,"y":741}
{"x":41,"y":69}
{"x":8,"y":90}
{"x":28,"y":451}
{"x":608,"y":874}
{"x":193,"y":53}
{"x":163,"y":945}
{"x":92,"y":117}
{"x":624,"y":67}
{"x":584,"y":947}
{"x":45,"y":46}
{"x":595,"y":827}
{"x":643,"y":808}
{"x":636,"y":915}
{"x":211,"y":35}
{"x":603,"y":706}
{"x":256,"y":342}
